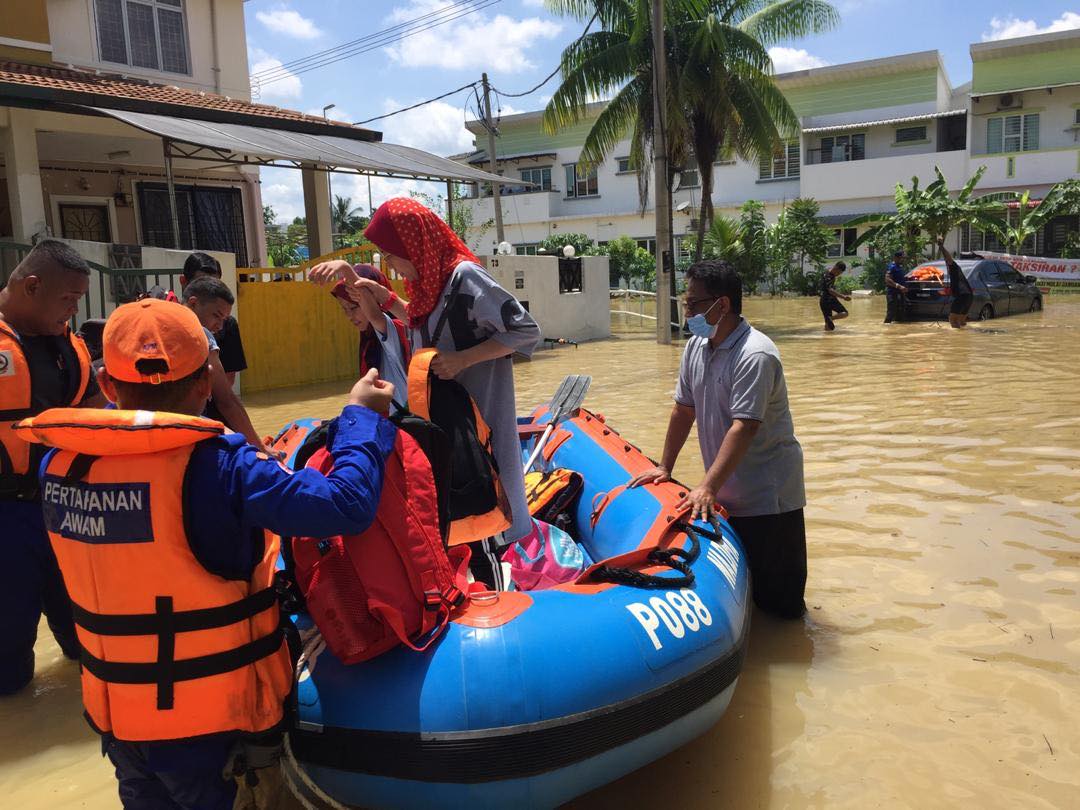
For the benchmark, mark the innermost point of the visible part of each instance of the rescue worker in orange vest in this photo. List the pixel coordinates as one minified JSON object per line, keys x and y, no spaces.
{"x":163,"y":527}
{"x":42,"y":365}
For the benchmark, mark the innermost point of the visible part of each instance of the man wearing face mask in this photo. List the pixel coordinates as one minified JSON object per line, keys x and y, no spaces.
{"x":731,"y":383}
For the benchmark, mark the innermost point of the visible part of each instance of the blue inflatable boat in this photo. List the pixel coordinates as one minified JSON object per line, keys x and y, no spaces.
{"x":531,"y":699}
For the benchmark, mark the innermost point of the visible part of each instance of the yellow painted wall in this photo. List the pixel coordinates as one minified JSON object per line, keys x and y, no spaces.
{"x":27,"y":20}
{"x":294,"y":334}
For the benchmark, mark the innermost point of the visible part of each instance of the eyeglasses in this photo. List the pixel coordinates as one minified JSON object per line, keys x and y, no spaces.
{"x":693,"y":303}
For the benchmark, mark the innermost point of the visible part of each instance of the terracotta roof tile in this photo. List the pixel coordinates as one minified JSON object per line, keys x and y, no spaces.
{"x":73,"y":80}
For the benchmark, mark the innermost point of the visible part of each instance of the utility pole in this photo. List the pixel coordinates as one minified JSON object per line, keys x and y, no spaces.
{"x":661,"y":181}
{"x":489,"y":125}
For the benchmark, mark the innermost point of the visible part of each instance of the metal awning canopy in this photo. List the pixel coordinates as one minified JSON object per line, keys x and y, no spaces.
{"x":883,"y":122}
{"x":242,"y":144}
{"x":482,"y":156}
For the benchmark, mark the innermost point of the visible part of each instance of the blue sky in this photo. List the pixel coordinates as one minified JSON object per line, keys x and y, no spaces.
{"x":518,"y":43}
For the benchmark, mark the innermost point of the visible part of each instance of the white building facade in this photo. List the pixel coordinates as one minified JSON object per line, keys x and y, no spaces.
{"x":866,"y":126}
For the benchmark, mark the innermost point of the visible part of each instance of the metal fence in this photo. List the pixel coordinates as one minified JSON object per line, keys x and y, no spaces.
{"x":109,"y":286}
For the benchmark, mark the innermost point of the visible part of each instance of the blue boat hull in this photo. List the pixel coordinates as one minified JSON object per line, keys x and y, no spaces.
{"x":586,"y":684}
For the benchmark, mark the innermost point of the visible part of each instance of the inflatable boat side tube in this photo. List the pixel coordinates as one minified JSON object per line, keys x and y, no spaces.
{"x":513,"y":752}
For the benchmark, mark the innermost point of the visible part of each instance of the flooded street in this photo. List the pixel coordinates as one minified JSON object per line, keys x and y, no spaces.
{"x":940,"y":658}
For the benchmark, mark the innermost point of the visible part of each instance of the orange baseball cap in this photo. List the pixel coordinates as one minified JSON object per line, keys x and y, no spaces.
{"x":152,"y":329}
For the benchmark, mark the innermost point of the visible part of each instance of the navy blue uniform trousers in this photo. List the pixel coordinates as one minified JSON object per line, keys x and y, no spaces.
{"x":32,"y":584}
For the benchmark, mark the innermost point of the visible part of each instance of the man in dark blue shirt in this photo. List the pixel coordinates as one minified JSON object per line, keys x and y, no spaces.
{"x":895,"y":291}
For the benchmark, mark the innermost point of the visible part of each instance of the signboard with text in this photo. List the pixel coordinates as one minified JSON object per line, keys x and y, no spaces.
{"x":1041,"y":268}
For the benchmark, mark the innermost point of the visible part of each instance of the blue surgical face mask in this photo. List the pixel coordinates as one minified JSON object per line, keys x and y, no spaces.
{"x":699,"y":326}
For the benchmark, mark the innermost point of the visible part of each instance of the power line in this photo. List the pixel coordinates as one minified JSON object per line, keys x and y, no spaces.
{"x":378,"y":40}
{"x":377,"y":35}
{"x":418,"y":104}
{"x":551,"y":75}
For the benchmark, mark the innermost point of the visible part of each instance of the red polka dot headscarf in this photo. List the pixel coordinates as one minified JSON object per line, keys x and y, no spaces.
{"x":403,"y":227}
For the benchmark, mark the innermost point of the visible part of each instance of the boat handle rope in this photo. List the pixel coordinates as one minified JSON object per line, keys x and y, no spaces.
{"x":678,"y":559}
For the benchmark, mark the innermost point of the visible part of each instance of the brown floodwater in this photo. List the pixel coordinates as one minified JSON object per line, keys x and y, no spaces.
{"x":939,"y":662}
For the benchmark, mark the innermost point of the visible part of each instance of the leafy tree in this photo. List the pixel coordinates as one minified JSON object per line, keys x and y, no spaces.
{"x":924,"y":215}
{"x":752,"y":263}
{"x":461,"y":215}
{"x":269,"y":216}
{"x":553,"y":245}
{"x":720,"y":94}
{"x":799,"y":238}
{"x":1063,"y":199}
{"x":628,"y":262}
{"x":882,"y":248}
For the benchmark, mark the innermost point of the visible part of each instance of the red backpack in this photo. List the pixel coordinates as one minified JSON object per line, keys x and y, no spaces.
{"x":393,"y":584}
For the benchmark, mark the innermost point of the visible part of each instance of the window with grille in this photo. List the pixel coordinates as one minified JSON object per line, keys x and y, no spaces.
{"x":909,"y":134}
{"x":842,"y":148}
{"x":622,"y":165}
{"x":541,"y":178}
{"x":783,"y":164}
{"x":143,"y":33}
{"x":210,"y":218}
{"x":580,"y":183}
{"x":1012,"y":133}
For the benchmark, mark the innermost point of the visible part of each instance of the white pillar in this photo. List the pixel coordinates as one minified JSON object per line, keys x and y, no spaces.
{"x":317,"y":212}
{"x":25,"y":197}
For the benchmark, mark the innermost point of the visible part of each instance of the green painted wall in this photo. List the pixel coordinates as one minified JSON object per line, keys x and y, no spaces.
{"x":530,"y":137}
{"x":1026,"y":70}
{"x":839,"y":96}
{"x":864,"y":94}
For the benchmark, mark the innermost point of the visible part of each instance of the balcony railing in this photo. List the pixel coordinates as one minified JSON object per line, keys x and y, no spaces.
{"x":838,"y":154}
{"x":506,"y":191}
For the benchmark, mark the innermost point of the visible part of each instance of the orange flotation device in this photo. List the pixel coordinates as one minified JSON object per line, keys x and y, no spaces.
{"x":169,"y":650}
{"x":479,"y":507}
{"x":15,"y":474}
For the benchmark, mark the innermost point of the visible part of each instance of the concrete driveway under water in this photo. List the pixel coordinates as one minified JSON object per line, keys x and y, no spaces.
{"x":939,"y":662}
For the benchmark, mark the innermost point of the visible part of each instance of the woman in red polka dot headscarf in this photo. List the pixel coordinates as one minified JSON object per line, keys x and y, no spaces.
{"x":456,"y":307}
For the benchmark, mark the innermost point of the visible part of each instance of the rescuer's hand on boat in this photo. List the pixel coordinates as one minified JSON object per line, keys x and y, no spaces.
{"x":372,"y":393}
{"x":702,"y":503}
{"x":657,"y":475}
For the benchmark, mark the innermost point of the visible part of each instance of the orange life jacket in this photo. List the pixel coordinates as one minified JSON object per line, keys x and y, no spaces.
{"x":479,"y":507}
{"x":169,"y":650}
{"x":16,"y":477}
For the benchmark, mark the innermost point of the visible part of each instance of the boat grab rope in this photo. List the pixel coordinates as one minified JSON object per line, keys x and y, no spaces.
{"x":309,"y":794}
{"x":678,"y":559}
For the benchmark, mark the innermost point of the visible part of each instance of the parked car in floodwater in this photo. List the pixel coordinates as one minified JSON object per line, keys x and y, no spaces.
{"x":998,"y":289}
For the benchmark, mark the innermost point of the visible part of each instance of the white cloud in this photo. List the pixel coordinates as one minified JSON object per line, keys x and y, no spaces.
{"x":282,"y":20}
{"x":533,"y":3}
{"x":288,"y":86}
{"x":786,"y":60}
{"x":474,"y":41}
{"x":437,"y":127}
{"x":1014,"y":27}
{"x":283,"y":190}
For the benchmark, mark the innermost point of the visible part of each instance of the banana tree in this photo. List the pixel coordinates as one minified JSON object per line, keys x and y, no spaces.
{"x":925,"y":215}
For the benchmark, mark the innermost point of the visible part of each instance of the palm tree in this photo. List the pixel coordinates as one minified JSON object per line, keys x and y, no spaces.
{"x":720,"y":96}
{"x":344,"y":219}
{"x":723,"y":240}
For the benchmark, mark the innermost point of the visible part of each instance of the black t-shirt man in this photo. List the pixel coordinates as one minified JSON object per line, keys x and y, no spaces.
{"x":51,"y":380}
